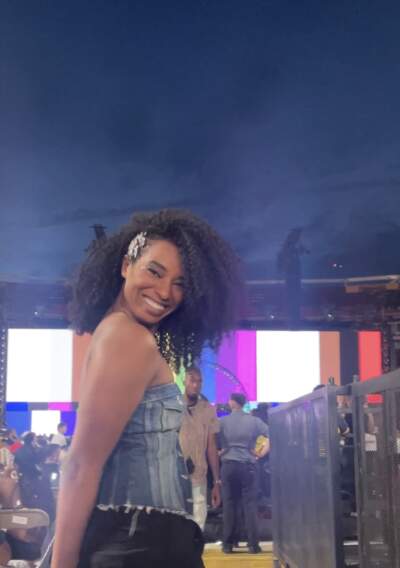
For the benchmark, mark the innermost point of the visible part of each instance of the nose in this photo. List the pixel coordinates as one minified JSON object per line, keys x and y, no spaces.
{"x":164,"y":289}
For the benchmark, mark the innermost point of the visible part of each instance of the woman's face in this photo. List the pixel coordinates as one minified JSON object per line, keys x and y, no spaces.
{"x":153,"y":286}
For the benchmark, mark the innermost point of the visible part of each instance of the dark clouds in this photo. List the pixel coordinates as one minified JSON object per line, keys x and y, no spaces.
{"x":259,"y":115}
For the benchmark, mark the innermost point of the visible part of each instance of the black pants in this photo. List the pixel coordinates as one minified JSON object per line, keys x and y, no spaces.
{"x":160,"y":540}
{"x":239,"y":480}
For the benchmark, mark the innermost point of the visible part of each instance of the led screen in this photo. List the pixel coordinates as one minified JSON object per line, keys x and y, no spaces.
{"x":44,"y":366}
{"x":45,"y":422}
{"x":288,"y":364}
{"x":39,"y":365}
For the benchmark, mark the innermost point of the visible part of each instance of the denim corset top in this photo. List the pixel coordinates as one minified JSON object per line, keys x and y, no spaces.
{"x":146,"y":468}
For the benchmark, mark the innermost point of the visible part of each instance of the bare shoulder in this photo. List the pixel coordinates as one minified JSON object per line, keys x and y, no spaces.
{"x":119,"y":333}
{"x":121,"y":348}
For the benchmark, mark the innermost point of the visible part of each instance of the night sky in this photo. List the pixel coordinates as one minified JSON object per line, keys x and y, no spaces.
{"x":260,"y":115}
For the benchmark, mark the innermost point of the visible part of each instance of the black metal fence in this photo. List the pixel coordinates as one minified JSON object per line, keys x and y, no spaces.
{"x":376,"y":417}
{"x":314,"y":476}
{"x":305,"y":469}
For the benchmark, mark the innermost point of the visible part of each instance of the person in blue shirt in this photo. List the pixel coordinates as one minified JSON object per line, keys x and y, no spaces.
{"x":239,"y":433}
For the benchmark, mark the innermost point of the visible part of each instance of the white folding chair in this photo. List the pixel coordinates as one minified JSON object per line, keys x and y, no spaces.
{"x":23,"y":519}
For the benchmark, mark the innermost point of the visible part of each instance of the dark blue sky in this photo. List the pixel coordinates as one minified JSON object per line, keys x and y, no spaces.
{"x":260,"y":115}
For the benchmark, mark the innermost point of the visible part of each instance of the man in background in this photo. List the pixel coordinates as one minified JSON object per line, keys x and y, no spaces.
{"x":59,"y":439}
{"x":239,"y":433}
{"x":198,"y":442}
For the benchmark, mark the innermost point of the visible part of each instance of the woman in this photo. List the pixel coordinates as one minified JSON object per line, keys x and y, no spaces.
{"x":152,"y":295}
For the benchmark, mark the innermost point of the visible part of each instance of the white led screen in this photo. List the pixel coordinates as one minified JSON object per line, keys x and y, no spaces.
{"x":288,"y":364}
{"x":39,"y":365}
{"x":45,"y":422}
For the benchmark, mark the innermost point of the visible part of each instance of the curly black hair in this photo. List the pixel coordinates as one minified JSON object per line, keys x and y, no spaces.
{"x":212,"y":290}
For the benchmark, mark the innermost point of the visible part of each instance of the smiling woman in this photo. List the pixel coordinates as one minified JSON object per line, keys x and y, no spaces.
{"x":154,"y":283}
{"x":152,"y":295}
{"x":209,"y":279}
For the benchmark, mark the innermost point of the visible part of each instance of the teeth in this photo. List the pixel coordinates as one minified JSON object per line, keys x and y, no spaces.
{"x":154,"y":305}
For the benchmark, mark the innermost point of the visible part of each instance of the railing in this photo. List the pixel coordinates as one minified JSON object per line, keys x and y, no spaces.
{"x":376,"y":411}
{"x":305,"y":464}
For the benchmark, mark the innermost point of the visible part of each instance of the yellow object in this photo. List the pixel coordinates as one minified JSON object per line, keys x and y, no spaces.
{"x":260,"y":445}
{"x":240,"y":559}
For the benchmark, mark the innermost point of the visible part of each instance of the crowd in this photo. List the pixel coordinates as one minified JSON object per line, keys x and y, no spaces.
{"x":29,"y":474}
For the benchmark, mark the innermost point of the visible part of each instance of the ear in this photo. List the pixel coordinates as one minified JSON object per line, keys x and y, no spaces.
{"x":124,"y":267}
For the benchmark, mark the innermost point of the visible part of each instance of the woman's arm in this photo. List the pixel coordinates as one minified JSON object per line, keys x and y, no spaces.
{"x":123,"y":362}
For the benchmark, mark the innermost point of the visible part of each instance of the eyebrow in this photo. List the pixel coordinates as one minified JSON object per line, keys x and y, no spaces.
{"x":162,"y":267}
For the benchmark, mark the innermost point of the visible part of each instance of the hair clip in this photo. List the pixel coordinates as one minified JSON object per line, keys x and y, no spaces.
{"x":136,"y":245}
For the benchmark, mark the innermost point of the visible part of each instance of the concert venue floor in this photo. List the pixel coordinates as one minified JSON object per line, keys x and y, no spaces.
{"x":214,"y":558}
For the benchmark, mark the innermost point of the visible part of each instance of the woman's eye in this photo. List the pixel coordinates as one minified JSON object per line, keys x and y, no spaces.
{"x":154,"y":272}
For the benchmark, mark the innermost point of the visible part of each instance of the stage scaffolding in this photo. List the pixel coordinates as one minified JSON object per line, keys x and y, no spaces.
{"x":3,"y":373}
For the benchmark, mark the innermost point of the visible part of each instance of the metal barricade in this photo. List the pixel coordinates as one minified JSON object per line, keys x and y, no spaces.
{"x":376,"y":412}
{"x":305,"y":469}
